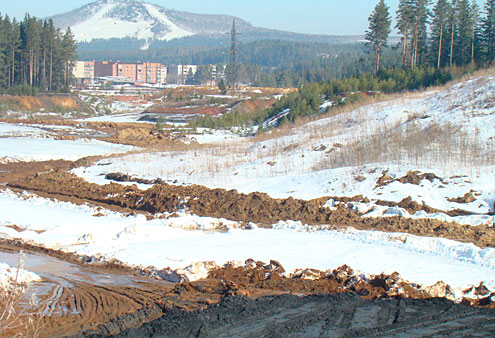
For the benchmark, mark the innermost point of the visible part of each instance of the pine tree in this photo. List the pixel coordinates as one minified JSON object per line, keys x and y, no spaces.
{"x":439,"y":26}
{"x":476,"y":33}
{"x":3,"y":65}
{"x":404,"y":22}
{"x":452,"y":30}
{"x":69,"y":51}
{"x":465,"y":28}
{"x":378,"y":32}
{"x":30,"y":35}
{"x":488,"y":31}
{"x":420,"y":15}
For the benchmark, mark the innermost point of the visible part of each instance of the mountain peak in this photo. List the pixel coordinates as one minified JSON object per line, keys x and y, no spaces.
{"x":107,"y":19}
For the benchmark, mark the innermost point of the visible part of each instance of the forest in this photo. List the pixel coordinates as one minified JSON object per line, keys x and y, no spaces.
{"x":437,"y":44}
{"x":35,"y":56}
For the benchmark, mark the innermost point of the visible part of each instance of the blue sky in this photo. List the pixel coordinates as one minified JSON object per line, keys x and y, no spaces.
{"x":338,"y":17}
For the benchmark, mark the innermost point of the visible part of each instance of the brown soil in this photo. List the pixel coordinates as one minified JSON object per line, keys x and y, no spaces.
{"x":201,"y":110}
{"x":213,"y":90}
{"x":255,"y":207}
{"x":412,"y":177}
{"x":135,"y":134}
{"x":15,"y":170}
{"x":249,"y":106}
{"x":30,"y":103}
{"x":196,"y":301}
{"x":467,"y":198}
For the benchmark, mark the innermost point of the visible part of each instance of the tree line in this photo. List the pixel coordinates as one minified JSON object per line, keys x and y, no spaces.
{"x":308,"y":99}
{"x":440,"y":34}
{"x":35,"y":56}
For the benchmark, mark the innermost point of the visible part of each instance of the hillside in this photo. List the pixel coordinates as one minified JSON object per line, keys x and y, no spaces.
{"x":107,"y":19}
{"x":384,"y":205}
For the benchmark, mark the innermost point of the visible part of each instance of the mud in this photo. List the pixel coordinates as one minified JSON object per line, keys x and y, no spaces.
{"x":14,"y":170}
{"x":73,"y":298}
{"x":340,"y":315}
{"x":255,"y":207}
{"x":412,"y":177}
{"x":99,"y":301}
{"x":135,"y":134}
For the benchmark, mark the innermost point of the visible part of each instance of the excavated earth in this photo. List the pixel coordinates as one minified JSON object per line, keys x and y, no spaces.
{"x":255,"y":300}
{"x":255,"y":207}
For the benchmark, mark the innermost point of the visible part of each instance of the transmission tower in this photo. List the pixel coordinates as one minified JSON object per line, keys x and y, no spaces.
{"x":233,"y":59}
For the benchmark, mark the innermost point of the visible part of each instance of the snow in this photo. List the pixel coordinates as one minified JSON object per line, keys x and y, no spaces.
{"x":317,"y":159}
{"x":179,"y":242}
{"x":101,"y":25}
{"x":44,"y":149}
{"x":175,"y":31}
{"x":118,"y":118}
{"x":15,"y":130}
{"x":15,"y":275}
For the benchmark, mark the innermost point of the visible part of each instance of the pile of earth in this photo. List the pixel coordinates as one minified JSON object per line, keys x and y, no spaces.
{"x":254,"y":207}
{"x":47,"y":102}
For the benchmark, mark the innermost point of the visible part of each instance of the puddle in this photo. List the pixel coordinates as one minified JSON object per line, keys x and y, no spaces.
{"x":56,"y":272}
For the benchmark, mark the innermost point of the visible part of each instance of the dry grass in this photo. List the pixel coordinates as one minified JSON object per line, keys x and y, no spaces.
{"x":15,"y":319}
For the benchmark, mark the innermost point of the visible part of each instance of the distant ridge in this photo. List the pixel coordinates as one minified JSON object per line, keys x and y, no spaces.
{"x":110,"y":19}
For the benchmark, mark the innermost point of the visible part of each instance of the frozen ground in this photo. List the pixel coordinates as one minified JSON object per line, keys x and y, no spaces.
{"x":181,"y":241}
{"x":448,"y":132}
{"x":35,"y":143}
{"x":44,"y":149}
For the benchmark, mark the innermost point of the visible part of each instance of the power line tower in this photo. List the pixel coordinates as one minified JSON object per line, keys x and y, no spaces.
{"x":233,"y":59}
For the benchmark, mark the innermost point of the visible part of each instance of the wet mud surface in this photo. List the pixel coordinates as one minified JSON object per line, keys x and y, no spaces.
{"x":72,"y":297}
{"x":255,"y":207}
{"x":342,"y":315}
{"x":102,"y":299}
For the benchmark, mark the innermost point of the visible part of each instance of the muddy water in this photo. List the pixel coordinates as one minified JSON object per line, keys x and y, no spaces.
{"x":56,"y":271}
{"x":57,"y":275}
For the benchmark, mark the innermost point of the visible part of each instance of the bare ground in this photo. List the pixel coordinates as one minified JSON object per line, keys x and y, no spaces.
{"x":255,"y":207}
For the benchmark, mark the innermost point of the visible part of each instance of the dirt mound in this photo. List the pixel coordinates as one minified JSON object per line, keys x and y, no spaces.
{"x":255,"y":207}
{"x":466,"y":199}
{"x":54,"y":102}
{"x":14,"y":170}
{"x":249,"y":106}
{"x":412,"y":177}
{"x":201,"y":110}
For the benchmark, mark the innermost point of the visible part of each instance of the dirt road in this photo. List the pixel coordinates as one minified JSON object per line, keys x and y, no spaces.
{"x":341,"y":315}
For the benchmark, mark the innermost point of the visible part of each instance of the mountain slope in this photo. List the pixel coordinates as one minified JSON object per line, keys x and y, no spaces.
{"x":107,"y":19}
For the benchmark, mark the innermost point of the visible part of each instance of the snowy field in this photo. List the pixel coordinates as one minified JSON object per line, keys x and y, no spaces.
{"x":45,"y":149}
{"x":448,"y":132}
{"x":35,"y":143}
{"x":181,"y":241}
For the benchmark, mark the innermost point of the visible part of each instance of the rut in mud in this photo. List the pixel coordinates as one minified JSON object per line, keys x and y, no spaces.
{"x":341,"y":315}
{"x":255,"y":207}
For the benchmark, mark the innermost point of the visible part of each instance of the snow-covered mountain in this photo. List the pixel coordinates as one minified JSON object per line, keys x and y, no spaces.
{"x":106,"y":19}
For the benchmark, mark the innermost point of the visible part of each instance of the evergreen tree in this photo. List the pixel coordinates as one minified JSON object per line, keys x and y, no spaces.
{"x":36,"y":54}
{"x":465,"y":29}
{"x":488,"y":31}
{"x":439,"y":25}
{"x":476,"y":33}
{"x":420,"y":15}
{"x":378,"y":32}
{"x":30,"y":35}
{"x":69,"y":52}
{"x":452,"y":30}
{"x":404,"y":22}
{"x":3,"y":65}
